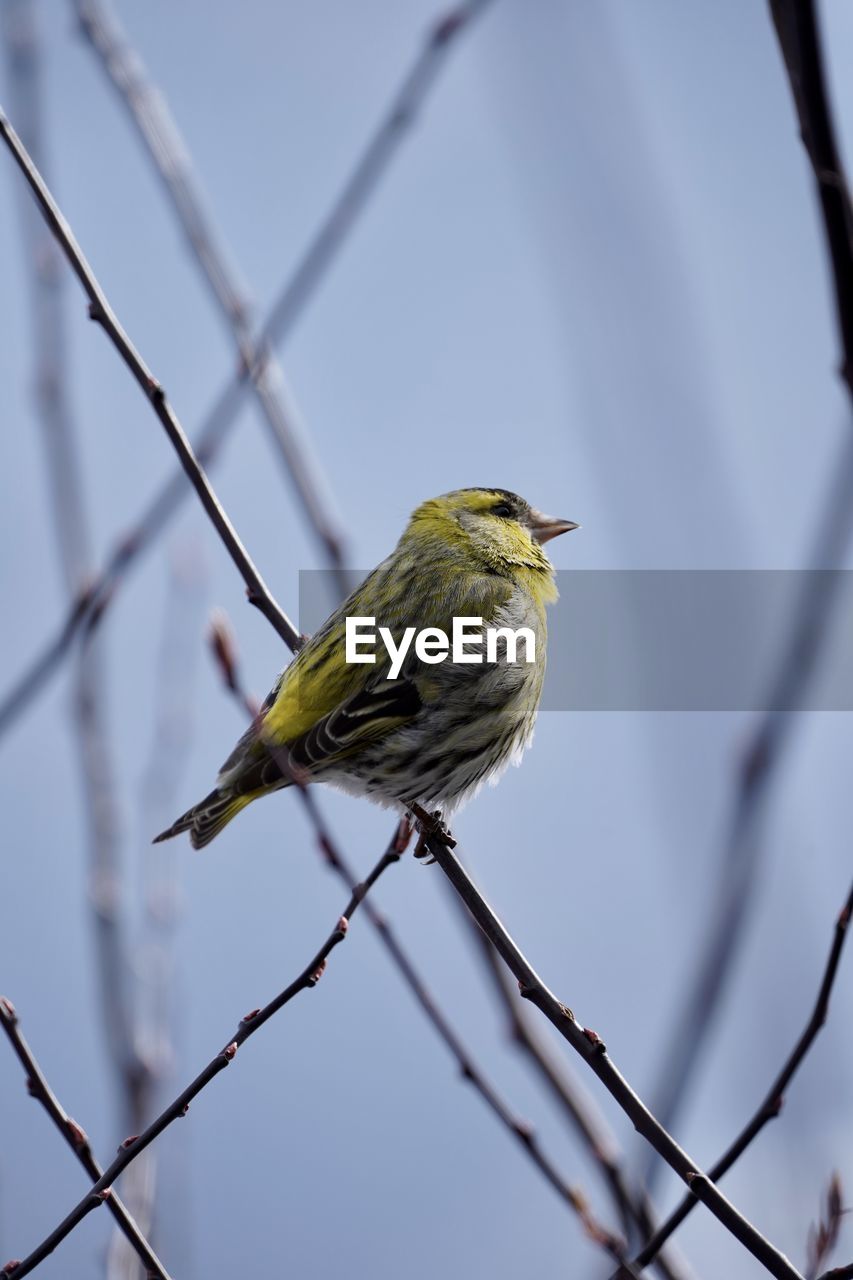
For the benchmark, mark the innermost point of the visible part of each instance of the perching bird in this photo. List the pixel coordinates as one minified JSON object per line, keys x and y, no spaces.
{"x":436,"y":732}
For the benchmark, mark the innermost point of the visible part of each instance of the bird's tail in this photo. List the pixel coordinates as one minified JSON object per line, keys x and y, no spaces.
{"x":207,"y":818}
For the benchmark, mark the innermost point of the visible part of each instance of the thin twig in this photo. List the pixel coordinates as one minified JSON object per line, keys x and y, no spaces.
{"x":584,"y":1118}
{"x":796,"y":27}
{"x":797,"y":30}
{"x":523,"y":1132}
{"x":158,"y":132}
{"x":224,"y":650}
{"x":100,"y":311}
{"x":775,"y":1097}
{"x":75,"y":1137}
{"x":333,"y":231}
{"x":590,"y":1047}
{"x":252,"y":1022}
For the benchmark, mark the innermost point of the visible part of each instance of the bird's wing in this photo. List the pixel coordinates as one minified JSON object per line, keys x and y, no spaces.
{"x":369,"y":714}
{"x":256,"y":765}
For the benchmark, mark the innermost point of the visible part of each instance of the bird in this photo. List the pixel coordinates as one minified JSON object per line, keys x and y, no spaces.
{"x":430,"y":735}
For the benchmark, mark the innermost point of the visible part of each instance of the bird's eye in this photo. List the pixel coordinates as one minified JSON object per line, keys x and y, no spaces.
{"x":502,"y":509}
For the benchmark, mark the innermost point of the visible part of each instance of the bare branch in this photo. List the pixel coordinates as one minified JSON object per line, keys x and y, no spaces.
{"x":521,"y":1130}
{"x":580,"y":1110}
{"x":797,"y":30}
{"x":75,"y":1137}
{"x":796,"y":27}
{"x":158,"y":132}
{"x":590,"y":1047}
{"x":132,"y":1147}
{"x":332,"y":233}
{"x":101,"y":311}
{"x":775,"y":1097}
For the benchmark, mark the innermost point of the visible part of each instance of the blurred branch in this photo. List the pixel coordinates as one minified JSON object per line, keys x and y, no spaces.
{"x":46,"y":662}
{"x":796,"y":28}
{"x":590,"y":1047}
{"x":225,"y":653}
{"x":775,"y":1098}
{"x":45,"y":268}
{"x":252,"y":1022}
{"x":155,"y":1011}
{"x":158,"y":132}
{"x":823,"y":1237}
{"x":56,"y":420}
{"x":330,"y":237}
{"x":76,"y":1139}
{"x":399,"y":117}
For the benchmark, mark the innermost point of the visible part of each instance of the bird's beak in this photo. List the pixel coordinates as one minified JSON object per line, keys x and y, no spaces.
{"x":544,"y":528}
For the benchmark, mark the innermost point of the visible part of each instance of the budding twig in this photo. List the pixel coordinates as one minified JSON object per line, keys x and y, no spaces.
{"x":75,"y":1137}
{"x":101,"y":312}
{"x":590,"y":1047}
{"x":633,"y":1206}
{"x":775,"y":1097}
{"x":101,"y":1191}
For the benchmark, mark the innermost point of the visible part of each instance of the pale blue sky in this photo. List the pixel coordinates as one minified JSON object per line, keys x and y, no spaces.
{"x":595,"y":275}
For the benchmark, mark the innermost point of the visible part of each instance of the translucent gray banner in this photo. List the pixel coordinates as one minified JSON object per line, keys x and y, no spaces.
{"x":673,"y":640}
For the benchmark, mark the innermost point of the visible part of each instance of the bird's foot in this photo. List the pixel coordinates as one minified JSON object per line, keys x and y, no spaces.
{"x":430,"y":824}
{"x":422,"y":853}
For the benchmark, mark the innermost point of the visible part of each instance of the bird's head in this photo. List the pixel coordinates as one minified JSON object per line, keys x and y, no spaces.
{"x":493,"y":526}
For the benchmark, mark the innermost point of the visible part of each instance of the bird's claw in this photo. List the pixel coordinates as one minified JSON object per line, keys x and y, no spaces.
{"x":422,"y":853}
{"x":430,"y":824}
